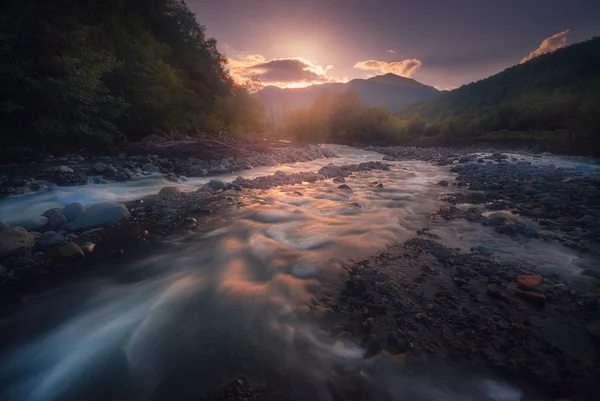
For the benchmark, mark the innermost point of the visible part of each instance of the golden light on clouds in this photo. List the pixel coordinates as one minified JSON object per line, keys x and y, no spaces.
{"x":290,"y":72}
{"x":404,"y":68}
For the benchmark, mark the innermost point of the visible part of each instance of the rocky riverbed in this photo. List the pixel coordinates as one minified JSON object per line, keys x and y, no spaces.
{"x":434,"y":274}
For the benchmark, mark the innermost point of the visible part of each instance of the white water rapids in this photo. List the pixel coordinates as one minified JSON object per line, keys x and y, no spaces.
{"x":208,"y":304}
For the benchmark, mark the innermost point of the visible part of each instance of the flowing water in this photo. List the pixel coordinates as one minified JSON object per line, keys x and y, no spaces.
{"x":244,"y":296}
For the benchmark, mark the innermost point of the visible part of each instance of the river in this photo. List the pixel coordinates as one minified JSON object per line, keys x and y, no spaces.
{"x":246,"y":296}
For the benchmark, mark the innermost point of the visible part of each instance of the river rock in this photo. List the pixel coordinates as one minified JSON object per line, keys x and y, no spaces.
{"x":99,"y":168}
{"x":474,"y":197}
{"x":69,"y":251}
{"x":15,"y":241}
{"x":550,"y":271}
{"x":496,"y":219}
{"x":529,"y":282}
{"x":73,"y":210}
{"x":99,"y":214}
{"x":56,"y":218}
{"x":49,"y":239}
{"x":339,"y":180}
{"x":35,"y":223}
{"x":150,"y":168}
{"x":483,"y":250}
{"x":534,"y":297}
{"x":169,"y":194}
{"x":216,"y":185}
{"x":332,"y":170}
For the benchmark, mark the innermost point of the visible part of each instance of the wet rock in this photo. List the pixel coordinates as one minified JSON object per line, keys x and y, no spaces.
{"x":15,"y":241}
{"x":99,"y":214}
{"x":69,"y":251}
{"x":379,"y":186}
{"x":533,"y":297}
{"x":88,"y":247}
{"x":35,"y":223}
{"x":49,"y":239}
{"x":339,"y":180}
{"x":56,"y":219}
{"x":474,"y":197}
{"x":345,"y":187}
{"x":150,"y":168}
{"x":483,"y":250}
{"x":216,"y":185}
{"x":550,"y":271}
{"x":99,"y":168}
{"x":588,"y":221}
{"x":332,"y":170}
{"x":496,"y":219}
{"x":18,"y":261}
{"x":169,"y":194}
{"x":73,"y":210}
{"x":372,"y":345}
{"x":552,"y":203}
{"x":529,"y":282}
{"x":203,"y":194}
{"x":443,"y":183}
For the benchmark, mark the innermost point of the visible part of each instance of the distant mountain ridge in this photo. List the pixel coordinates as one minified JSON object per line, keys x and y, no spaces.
{"x":552,"y":91}
{"x":389,"y":90}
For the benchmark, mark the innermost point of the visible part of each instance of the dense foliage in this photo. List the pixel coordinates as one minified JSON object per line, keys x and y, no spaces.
{"x":342,"y":117}
{"x":556,"y":91}
{"x":94,"y":73}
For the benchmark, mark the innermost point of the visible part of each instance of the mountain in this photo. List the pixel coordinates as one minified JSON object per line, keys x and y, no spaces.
{"x":390,"y":90}
{"x":558,"y":90}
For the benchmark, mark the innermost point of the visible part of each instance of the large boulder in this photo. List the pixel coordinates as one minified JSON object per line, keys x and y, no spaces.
{"x":332,"y":170}
{"x":73,"y":210}
{"x":216,"y":185}
{"x":15,"y":241}
{"x":35,"y":223}
{"x":100,"y":214}
{"x":169,"y":194}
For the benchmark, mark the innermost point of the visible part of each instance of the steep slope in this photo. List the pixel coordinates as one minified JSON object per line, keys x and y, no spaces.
{"x":552,"y":91}
{"x":391,"y":91}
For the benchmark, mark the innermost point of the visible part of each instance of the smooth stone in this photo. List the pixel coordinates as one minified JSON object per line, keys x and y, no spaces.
{"x":15,"y":241}
{"x":169,"y":194}
{"x":534,"y":297}
{"x":550,"y":271}
{"x":483,"y":250}
{"x":99,"y":168}
{"x":73,"y":210}
{"x":216,"y":185}
{"x":150,"y":168}
{"x":50,"y":239}
{"x":56,"y":217}
{"x":99,"y":214}
{"x":496,"y":219}
{"x":35,"y":223}
{"x":529,"y":282}
{"x":69,"y":251}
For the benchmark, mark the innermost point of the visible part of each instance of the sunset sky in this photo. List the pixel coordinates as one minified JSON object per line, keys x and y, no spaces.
{"x":443,"y":43}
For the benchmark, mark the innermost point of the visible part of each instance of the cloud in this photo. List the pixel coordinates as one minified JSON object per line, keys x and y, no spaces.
{"x":404,"y":68}
{"x":283,"y":72}
{"x":392,"y":51}
{"x":548,"y":45}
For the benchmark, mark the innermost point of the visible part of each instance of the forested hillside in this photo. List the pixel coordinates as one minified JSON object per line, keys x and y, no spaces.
{"x":94,"y":73}
{"x":560,"y":90}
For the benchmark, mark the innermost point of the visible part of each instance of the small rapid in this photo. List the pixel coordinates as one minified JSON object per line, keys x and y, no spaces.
{"x":248,"y":295}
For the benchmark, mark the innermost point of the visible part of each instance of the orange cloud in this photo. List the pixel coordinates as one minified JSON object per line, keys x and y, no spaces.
{"x":404,"y":68}
{"x":549,"y":45}
{"x":284,"y":72}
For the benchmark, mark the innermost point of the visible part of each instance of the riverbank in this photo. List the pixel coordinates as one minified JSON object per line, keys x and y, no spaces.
{"x":268,"y":265}
{"x":422,"y":303}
